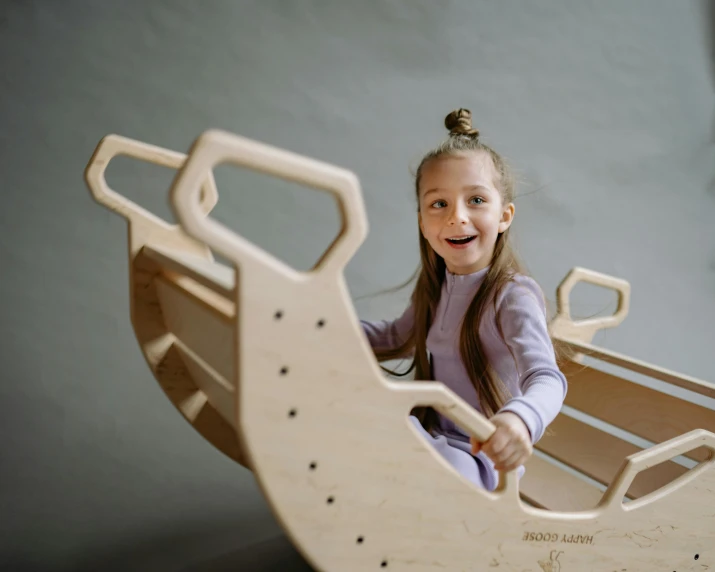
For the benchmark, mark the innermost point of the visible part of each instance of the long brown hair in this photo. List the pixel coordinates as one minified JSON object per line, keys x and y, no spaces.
{"x":431,"y":274}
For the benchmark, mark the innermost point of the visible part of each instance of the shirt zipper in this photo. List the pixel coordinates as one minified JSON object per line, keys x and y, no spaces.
{"x":446,"y":306}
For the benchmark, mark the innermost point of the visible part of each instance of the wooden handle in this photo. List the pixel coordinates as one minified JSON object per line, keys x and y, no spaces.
{"x":215,"y":146}
{"x":576,"y":275}
{"x":112,"y":145}
{"x":655,"y":455}
{"x":456,"y":409}
{"x":447,"y":403}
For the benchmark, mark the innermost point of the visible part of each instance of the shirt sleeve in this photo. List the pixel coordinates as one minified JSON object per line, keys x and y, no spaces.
{"x":522,"y":316}
{"x":388,"y":334}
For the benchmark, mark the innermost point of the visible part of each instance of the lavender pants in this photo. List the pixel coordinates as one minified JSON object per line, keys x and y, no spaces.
{"x":477,"y":469}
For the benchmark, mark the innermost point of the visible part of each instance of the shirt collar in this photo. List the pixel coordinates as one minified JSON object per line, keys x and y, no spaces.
{"x":464,"y":283}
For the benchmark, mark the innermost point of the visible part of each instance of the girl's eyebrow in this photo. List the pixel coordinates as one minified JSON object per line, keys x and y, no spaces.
{"x":467,"y":188}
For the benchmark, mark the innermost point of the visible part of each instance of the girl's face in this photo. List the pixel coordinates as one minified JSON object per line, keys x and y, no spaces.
{"x":461,"y":211}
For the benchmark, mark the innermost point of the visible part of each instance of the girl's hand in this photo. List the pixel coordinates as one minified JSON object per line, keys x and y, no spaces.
{"x":509,"y":446}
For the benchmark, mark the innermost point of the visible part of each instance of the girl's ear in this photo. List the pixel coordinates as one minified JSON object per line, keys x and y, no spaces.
{"x":507,"y":216}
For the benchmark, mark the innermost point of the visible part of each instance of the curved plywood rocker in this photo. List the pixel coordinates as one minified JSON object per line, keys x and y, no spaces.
{"x":271,"y":366}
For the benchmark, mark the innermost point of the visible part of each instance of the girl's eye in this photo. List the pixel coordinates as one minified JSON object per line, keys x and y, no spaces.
{"x":439,"y":204}
{"x":479,"y":200}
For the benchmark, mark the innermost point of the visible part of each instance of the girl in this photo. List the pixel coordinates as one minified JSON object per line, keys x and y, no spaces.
{"x":476,"y":322}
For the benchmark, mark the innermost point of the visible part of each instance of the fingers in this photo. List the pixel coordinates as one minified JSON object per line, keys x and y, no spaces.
{"x":509,"y":446}
{"x":511,"y":462}
{"x":506,"y":451}
{"x":495,"y":447}
{"x":476,"y":445}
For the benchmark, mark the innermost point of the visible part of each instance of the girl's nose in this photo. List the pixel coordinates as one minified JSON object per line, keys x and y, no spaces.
{"x":457,"y":215}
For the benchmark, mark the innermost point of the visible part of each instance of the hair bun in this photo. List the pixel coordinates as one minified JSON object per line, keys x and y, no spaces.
{"x":459,"y":122}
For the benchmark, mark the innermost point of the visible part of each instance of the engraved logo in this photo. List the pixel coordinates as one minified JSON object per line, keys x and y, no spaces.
{"x":552,"y":564}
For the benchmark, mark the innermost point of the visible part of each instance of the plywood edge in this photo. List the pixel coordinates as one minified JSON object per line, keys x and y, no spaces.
{"x":213,"y":302}
{"x":213,"y":275}
{"x":220,"y":393}
{"x":693,"y":384}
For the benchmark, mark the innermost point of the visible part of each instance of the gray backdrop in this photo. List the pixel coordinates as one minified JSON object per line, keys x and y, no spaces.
{"x":604,"y":108}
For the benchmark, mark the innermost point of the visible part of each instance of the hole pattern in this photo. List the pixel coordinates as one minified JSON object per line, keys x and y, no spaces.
{"x":293,"y":412}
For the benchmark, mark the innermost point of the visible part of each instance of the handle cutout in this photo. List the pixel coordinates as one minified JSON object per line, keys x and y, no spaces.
{"x":654,"y":456}
{"x":216,"y":147}
{"x":565,"y":327}
{"x":288,"y":220}
{"x":112,"y":146}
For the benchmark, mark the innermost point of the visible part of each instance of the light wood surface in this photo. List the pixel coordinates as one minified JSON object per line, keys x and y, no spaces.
{"x":216,"y":277}
{"x":704,"y":388}
{"x":547,"y":486}
{"x":640,"y":410}
{"x":327,"y":435}
{"x":599,"y":455}
{"x":189,"y":318}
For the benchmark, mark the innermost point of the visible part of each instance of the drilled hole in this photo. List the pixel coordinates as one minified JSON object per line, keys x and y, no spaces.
{"x":697,"y":556}
{"x":292,"y":413}
{"x":321,"y":323}
{"x":331,"y":500}
{"x":278,"y":315}
{"x":284,"y":370}
{"x":360,"y":540}
{"x":313,"y":466}
{"x":383,"y":564}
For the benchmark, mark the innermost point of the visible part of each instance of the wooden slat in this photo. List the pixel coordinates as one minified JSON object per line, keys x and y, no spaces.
{"x":219,"y":393}
{"x":180,"y":387}
{"x":684,"y":381}
{"x":547,"y":486}
{"x":599,"y":455}
{"x":640,"y":410}
{"x":198,"y":323}
{"x":213,"y":275}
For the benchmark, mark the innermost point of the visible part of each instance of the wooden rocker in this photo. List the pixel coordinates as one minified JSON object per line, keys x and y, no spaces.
{"x":271,"y":366}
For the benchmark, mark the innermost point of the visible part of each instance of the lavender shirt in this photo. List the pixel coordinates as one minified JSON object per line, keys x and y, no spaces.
{"x":533,"y":379}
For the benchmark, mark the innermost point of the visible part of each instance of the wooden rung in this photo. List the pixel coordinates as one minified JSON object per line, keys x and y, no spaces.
{"x":600,"y":455}
{"x":219,"y":393}
{"x":213,"y":275}
{"x":181,"y":388}
{"x":548,"y":486}
{"x":642,"y":411}
{"x":198,"y":322}
{"x":684,"y":381}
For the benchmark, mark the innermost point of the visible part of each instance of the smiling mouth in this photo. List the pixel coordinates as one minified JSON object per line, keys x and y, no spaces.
{"x":461,"y":240}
